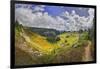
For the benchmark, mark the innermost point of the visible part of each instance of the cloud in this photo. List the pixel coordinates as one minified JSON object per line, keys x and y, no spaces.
{"x":66,"y":21}
{"x":39,"y":8}
{"x":38,"y":19}
{"x":76,"y":22}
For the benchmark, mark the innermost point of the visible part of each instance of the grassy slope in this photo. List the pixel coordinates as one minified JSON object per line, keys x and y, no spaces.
{"x":59,"y":52}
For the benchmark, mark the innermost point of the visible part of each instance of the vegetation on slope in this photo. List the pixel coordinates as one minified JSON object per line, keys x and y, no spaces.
{"x":41,"y":49}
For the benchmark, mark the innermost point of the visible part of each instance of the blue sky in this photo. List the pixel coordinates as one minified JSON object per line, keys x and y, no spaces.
{"x":57,"y":10}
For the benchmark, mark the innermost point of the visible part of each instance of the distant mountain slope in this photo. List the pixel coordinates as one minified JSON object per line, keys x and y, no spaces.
{"x":46,"y":32}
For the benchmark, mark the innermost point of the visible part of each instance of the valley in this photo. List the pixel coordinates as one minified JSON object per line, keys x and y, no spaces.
{"x":50,"y":46}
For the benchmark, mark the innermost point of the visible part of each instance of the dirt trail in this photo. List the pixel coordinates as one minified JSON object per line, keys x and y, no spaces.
{"x":87,"y":53}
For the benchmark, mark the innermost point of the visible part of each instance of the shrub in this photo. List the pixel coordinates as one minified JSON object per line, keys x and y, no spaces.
{"x":57,"y":38}
{"x":51,"y":39}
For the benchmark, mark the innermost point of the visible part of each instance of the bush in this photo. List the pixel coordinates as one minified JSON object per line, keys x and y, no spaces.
{"x":51,"y":39}
{"x":57,"y":38}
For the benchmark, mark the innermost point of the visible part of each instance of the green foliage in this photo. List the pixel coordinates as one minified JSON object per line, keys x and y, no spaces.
{"x":18,"y":26}
{"x":51,"y":39}
{"x":57,"y":38}
{"x":72,"y":55}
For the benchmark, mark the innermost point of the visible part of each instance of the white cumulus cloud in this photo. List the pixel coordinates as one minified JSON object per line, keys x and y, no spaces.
{"x":66,"y":22}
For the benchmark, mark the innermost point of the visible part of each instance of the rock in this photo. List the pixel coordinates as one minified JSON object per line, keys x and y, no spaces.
{"x":62,"y":45}
{"x":74,"y":46}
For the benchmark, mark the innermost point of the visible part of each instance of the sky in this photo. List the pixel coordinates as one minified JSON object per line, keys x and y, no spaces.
{"x":56,"y":10}
{"x":54,"y":17}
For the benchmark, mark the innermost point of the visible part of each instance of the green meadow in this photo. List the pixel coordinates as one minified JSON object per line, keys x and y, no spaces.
{"x":33,"y":48}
